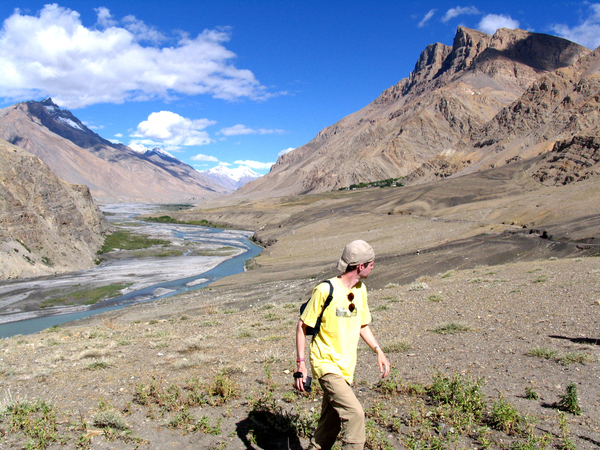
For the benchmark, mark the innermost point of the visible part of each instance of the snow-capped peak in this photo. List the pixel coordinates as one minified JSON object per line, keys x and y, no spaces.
{"x":148,"y":151}
{"x":231,"y":178}
{"x":63,"y":116}
{"x":235,"y":174}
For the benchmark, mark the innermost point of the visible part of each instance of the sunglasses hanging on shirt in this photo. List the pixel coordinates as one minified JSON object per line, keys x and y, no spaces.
{"x":351,"y":306}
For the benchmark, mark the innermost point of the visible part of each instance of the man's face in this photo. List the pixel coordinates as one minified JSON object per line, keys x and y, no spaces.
{"x":365,"y":269}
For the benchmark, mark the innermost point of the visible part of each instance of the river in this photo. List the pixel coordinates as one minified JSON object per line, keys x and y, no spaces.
{"x":210,"y":254}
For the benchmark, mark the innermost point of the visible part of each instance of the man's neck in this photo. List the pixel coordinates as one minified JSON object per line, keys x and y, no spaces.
{"x":350,"y":279}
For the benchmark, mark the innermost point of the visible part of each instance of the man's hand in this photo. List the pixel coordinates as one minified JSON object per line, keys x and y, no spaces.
{"x":299,"y":381}
{"x":383,"y":363}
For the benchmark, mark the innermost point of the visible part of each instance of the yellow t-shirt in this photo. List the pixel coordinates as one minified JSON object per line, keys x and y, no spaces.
{"x":333,"y":350}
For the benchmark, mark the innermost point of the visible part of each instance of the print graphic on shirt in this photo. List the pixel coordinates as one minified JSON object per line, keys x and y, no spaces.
{"x":345,"y":312}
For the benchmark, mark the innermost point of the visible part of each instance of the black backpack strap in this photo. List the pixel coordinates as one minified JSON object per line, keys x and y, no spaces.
{"x":327,"y":302}
{"x":329,"y":297}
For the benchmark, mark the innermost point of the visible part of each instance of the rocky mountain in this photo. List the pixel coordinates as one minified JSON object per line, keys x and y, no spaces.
{"x":569,"y":161}
{"x":450,"y":115}
{"x":179,"y":169}
{"x":557,"y":117}
{"x":158,"y":155}
{"x":231,"y":178}
{"x":113,"y":172}
{"x":46,"y":224}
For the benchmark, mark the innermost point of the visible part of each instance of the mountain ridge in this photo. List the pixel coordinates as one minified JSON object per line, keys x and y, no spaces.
{"x":453,"y":93}
{"x":113,"y":172}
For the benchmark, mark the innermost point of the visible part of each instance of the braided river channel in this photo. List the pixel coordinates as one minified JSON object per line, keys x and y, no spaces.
{"x":203,"y":255}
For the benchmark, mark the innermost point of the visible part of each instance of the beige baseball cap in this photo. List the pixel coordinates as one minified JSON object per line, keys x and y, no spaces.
{"x":355,"y":253}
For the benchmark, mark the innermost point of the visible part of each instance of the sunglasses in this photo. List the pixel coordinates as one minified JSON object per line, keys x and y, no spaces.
{"x":351,"y":306}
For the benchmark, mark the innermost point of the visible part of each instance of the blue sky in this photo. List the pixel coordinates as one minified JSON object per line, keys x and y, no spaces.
{"x":238,"y":82}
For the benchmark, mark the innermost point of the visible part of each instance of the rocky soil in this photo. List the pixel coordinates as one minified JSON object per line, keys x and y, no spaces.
{"x":139,"y":364}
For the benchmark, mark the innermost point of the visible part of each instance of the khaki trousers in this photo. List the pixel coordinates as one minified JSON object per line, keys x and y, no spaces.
{"x":340,"y":411}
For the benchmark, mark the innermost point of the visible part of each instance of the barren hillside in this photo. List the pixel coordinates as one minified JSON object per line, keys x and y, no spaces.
{"x":47,"y":225}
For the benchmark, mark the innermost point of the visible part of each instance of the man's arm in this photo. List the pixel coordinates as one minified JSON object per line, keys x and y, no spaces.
{"x":300,"y":348}
{"x":382,"y":361}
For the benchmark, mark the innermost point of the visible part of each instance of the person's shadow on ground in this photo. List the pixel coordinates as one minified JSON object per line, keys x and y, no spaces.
{"x":268,"y":430}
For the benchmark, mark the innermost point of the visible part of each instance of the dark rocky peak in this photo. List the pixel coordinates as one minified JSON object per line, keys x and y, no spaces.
{"x":438,"y":59}
{"x":541,"y":52}
{"x":427,"y":68}
{"x":498,"y":56}
{"x":430,"y":61}
{"x":64,"y":116}
{"x":66,"y":125}
{"x":468,"y":45}
{"x":49,"y":103}
{"x":438,"y":62}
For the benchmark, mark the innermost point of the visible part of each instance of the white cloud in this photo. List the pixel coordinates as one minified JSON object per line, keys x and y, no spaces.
{"x":490,"y":23}
{"x":254,"y":164}
{"x":105,"y":19}
{"x":428,"y":16}
{"x":459,"y":10}
{"x":287,"y":150}
{"x":266,"y":131}
{"x":141,"y":31}
{"x":587,"y":33}
{"x":240,"y":129}
{"x":54,"y":54}
{"x":119,"y":135}
{"x":172,"y":130}
{"x":236,"y":130}
{"x":201,"y":157}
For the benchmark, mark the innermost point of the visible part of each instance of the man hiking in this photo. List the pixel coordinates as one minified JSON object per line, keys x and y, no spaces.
{"x":333,"y":348}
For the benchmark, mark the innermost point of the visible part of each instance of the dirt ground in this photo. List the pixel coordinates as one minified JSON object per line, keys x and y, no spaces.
{"x":462,"y":292}
{"x":505,"y":312}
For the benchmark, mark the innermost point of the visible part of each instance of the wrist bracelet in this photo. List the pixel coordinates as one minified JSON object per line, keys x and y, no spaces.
{"x":375,"y":348}
{"x":300,"y":360}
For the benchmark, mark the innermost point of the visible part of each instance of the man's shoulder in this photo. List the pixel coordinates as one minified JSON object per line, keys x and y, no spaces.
{"x":322,"y":289}
{"x":325,"y":286}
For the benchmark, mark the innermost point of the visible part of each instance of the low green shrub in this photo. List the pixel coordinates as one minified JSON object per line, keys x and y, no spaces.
{"x":569,"y":402}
